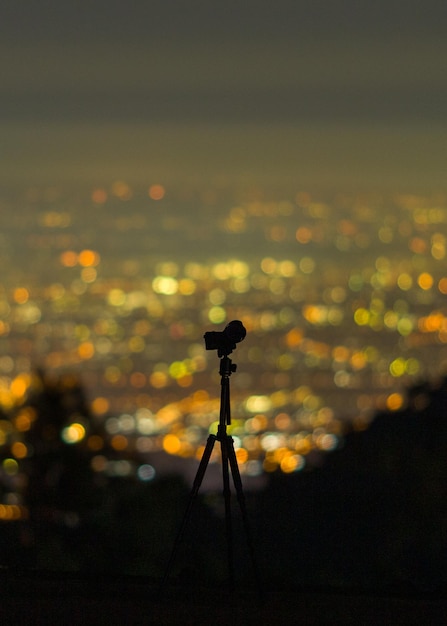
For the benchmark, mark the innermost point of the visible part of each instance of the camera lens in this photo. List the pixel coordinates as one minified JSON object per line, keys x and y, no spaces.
{"x":235,"y":331}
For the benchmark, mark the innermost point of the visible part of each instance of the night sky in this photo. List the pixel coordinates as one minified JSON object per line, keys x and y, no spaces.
{"x":337,"y":93}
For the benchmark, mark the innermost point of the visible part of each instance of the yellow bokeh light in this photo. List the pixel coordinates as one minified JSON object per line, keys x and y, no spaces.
{"x":10,"y":467}
{"x":412,"y":366}
{"x":391,"y":319}
{"x":177,"y":369}
{"x":186,"y":287}
{"x":19,"y":385}
{"x":222,"y":271}
{"x":397,"y":367}
{"x":307,"y":265}
{"x":361,"y":317}
{"x":73,"y":433}
{"x":116,"y":297}
{"x":89,"y":274}
{"x":239,"y":269}
{"x":268,"y":265}
{"x":257,"y":404}
{"x":217,"y":315}
{"x":121,"y":190}
{"x":166,"y":285}
{"x":405,"y":326}
{"x":404,"y":281}
{"x":137,"y":344}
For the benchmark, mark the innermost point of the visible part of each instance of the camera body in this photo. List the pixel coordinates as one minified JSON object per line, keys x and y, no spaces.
{"x":225,"y":341}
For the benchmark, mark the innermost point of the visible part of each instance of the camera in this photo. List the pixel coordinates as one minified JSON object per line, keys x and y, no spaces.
{"x":225,"y":341}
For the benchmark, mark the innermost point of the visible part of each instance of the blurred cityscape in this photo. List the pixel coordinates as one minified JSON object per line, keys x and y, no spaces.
{"x":106,"y":294}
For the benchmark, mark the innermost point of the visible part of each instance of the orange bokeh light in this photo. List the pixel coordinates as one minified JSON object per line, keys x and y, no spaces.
{"x":88,"y":258}
{"x":99,"y":196}
{"x":69,"y":258}
{"x":156,"y":192}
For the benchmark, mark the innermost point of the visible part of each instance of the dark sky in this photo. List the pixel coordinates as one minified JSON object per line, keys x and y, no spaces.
{"x":225,"y":86}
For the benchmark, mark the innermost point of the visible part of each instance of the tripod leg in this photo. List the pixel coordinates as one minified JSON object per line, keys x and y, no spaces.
{"x":227,"y":500}
{"x":241,"y":500}
{"x":194,"y":491}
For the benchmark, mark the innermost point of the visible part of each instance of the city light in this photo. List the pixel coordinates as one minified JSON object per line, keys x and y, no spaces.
{"x":342,"y":313}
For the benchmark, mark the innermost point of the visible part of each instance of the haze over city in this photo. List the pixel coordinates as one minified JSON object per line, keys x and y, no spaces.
{"x":301,"y":94}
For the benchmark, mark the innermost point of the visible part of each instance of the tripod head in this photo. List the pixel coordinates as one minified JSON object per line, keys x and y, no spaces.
{"x":227,"y":367}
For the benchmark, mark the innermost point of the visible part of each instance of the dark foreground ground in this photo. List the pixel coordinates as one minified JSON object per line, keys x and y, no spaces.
{"x":42,"y":598}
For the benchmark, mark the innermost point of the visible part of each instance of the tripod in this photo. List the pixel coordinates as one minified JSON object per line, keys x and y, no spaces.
{"x":229,"y":463}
